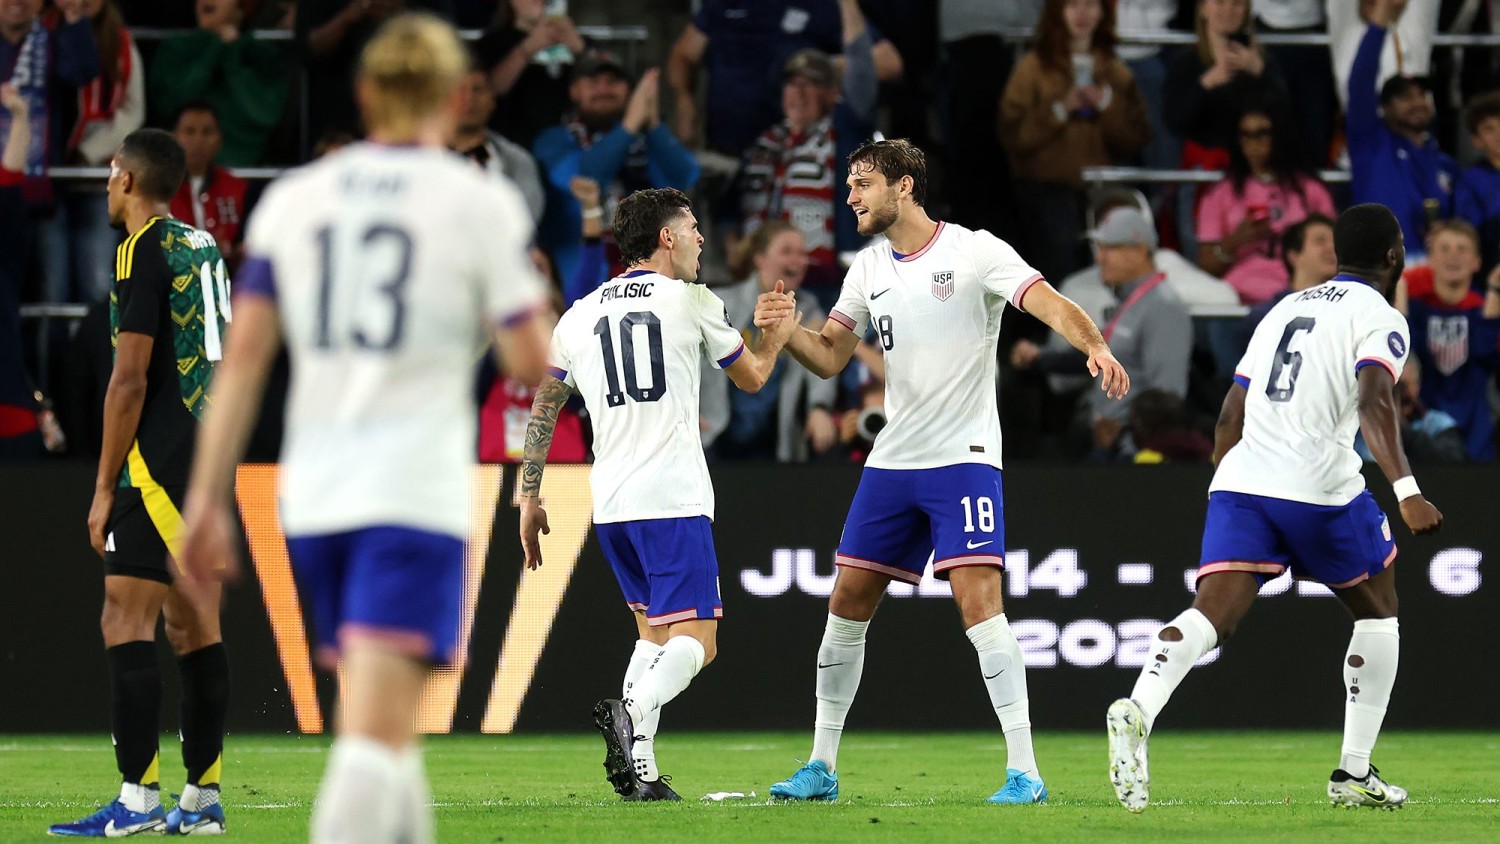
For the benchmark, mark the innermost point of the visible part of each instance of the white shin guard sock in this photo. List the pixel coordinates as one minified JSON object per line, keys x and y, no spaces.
{"x":417,"y":823}
{"x":1369,"y":675}
{"x":670,"y":671}
{"x":841,"y":662}
{"x":1171,"y":661}
{"x":1004,"y":672}
{"x":644,"y":750}
{"x":360,"y":800}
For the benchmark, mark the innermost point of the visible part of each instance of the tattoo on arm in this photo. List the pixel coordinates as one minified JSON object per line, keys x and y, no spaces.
{"x":550,"y":397}
{"x":1081,"y":331}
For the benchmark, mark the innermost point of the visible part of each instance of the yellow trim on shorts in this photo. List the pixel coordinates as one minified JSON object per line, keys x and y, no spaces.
{"x":159,"y":505}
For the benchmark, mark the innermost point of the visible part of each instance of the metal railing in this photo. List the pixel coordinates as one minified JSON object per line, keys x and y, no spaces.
{"x":1273,"y":39}
{"x":1100,"y":176}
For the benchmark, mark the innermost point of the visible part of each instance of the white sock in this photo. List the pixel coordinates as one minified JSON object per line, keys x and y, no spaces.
{"x":195,"y":799}
{"x":1004,"y":673}
{"x":1369,"y":674}
{"x":140,"y":798}
{"x":1171,"y":661}
{"x":360,"y":801}
{"x":644,"y":750}
{"x":670,"y":671}
{"x":417,"y":822}
{"x":841,"y":662}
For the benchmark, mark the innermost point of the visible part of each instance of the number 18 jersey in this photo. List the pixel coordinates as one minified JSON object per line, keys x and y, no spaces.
{"x":632,"y":349}
{"x":1302,"y":401}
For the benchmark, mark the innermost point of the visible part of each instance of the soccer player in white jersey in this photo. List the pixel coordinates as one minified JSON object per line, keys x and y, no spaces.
{"x":1288,"y":494}
{"x":632,"y":349}
{"x":387,"y":268}
{"x":933,"y":293}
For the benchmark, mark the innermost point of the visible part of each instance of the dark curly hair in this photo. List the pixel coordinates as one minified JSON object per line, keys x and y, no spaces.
{"x":893,"y":159}
{"x":640,"y":217}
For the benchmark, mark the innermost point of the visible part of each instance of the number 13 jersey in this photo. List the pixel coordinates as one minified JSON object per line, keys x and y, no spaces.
{"x":1302,"y":401}
{"x":632,"y":349}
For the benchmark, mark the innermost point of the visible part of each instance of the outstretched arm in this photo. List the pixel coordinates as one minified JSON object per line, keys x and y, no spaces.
{"x":1064,"y":316}
{"x":825,"y":353}
{"x":550,"y":397}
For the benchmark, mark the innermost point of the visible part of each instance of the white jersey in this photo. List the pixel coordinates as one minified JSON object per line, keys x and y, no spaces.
{"x":632,"y":349}
{"x":391,"y":266}
{"x":1302,"y":401}
{"x":936,"y":313}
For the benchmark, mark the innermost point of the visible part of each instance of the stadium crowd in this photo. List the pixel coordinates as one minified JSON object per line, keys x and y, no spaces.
{"x":752,"y":108}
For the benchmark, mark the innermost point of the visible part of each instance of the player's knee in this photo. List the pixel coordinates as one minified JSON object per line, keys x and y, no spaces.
{"x":710,"y":649}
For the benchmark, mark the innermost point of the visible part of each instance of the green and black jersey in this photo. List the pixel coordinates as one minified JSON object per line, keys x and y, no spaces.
{"x":170,"y":284}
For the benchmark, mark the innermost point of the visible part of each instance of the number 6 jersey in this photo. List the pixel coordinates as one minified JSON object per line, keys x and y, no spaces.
{"x":1302,"y":401}
{"x":632,"y":349}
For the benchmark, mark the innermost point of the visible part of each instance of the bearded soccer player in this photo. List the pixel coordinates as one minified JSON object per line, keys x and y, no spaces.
{"x":933,"y":293}
{"x":169,"y":307}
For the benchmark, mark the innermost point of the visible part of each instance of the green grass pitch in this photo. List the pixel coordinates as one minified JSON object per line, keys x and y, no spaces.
{"x":908,"y":787}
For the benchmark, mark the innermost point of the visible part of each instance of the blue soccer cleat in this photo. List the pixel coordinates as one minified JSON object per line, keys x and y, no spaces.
{"x":1020,"y":788}
{"x":114,"y":821}
{"x":812,"y":781}
{"x":208,"y":821}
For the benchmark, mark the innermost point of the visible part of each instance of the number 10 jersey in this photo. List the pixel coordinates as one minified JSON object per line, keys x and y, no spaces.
{"x":1302,"y":402}
{"x":632,"y":349}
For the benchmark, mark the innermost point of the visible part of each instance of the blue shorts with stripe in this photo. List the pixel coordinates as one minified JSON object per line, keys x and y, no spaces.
{"x":667,"y":568}
{"x":400,"y":586}
{"x":1337,"y":545}
{"x":899,"y":517}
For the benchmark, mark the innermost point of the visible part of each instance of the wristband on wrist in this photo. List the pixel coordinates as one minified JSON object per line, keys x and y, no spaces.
{"x":593,"y":213}
{"x":1406,"y":488}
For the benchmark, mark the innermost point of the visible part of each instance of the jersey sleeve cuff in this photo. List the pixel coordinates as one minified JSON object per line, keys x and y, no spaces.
{"x":255,"y":278}
{"x":1242,"y":379}
{"x":557,"y":372}
{"x":518,"y":317}
{"x":841,"y":318}
{"x":727,"y":360}
{"x":1371,"y":361}
{"x":1025,"y":288}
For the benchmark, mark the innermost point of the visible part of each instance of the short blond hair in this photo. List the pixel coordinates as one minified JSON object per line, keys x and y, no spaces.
{"x":412,"y":65}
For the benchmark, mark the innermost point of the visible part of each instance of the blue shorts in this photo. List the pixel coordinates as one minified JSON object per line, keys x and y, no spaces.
{"x":1338,"y":546}
{"x":397,"y":584}
{"x":901,"y":516}
{"x":667,"y":568}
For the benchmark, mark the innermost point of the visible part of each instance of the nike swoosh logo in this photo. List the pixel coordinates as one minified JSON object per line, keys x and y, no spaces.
{"x":828,"y":664}
{"x":1377,"y":796}
{"x":874,"y":296}
{"x":993,"y":676}
{"x":972,"y":545}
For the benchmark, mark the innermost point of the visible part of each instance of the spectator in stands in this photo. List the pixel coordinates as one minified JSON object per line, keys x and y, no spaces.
{"x":1265,"y":191}
{"x":1393,"y":157}
{"x":1308,"y":257}
{"x":745,"y":44}
{"x":528,"y":55}
{"x":1313,"y":103}
{"x":1409,"y":53}
{"x":20,"y":438}
{"x":1207,"y":86}
{"x":1145,"y":322}
{"x":46,"y":61}
{"x":211,"y":198}
{"x":243,"y":78}
{"x":1158,"y":425}
{"x":1070,"y":104}
{"x":473,"y":139}
{"x":1147,"y":63}
{"x":1454,"y":334}
{"x":795,"y":170}
{"x":506,"y":409}
{"x":791,"y":419}
{"x":593,"y":264}
{"x":78,"y":244}
{"x":1427,"y":435}
{"x":1477,"y":198}
{"x":331,"y":34}
{"x":614,"y":136}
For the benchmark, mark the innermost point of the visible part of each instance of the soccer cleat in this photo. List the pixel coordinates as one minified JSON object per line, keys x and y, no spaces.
{"x":614,"y":724}
{"x":208,"y":821}
{"x":1344,"y":790}
{"x":114,"y":821}
{"x":812,"y":781}
{"x":651,"y":791}
{"x":1127,"y":755}
{"x":1019,"y":788}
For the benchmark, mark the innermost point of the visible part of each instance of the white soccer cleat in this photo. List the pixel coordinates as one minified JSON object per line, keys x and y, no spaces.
{"x":1127,"y":755}
{"x":1344,"y":790}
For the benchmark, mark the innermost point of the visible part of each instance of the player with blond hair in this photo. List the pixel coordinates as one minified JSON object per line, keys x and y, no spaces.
{"x":386,"y":268}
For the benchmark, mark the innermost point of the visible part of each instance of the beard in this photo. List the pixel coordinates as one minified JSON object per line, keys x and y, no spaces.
{"x":879,"y":219}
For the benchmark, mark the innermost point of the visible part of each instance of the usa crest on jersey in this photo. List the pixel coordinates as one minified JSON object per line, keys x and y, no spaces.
{"x":942,"y":285}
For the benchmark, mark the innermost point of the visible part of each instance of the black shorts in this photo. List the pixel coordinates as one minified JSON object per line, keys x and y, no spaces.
{"x":145,"y":527}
